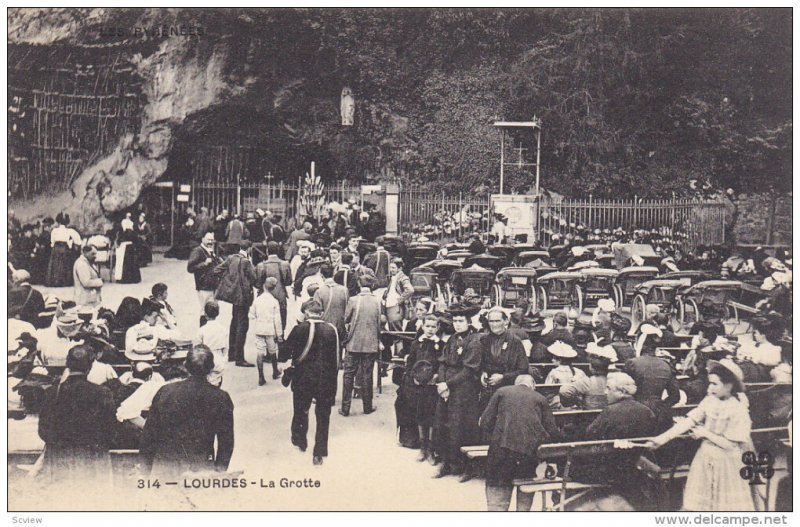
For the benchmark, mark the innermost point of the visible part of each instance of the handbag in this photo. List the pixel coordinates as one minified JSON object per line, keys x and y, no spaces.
{"x":288,"y":373}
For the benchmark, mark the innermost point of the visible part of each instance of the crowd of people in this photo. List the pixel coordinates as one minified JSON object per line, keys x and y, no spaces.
{"x":49,"y":248}
{"x":466,"y":374}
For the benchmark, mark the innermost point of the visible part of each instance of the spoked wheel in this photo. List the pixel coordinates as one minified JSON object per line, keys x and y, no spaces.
{"x":496,"y":296}
{"x":687,"y":312}
{"x":619,"y":299}
{"x":532,"y":298}
{"x":577,"y":300}
{"x":541,"y":300}
{"x":638,"y":310}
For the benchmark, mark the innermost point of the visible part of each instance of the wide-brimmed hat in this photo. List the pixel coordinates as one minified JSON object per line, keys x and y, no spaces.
{"x":315,"y":260}
{"x":143,"y":350}
{"x":68,"y":325}
{"x":462,"y":310}
{"x":604,"y":352}
{"x":562,"y":350}
{"x":732,"y":367}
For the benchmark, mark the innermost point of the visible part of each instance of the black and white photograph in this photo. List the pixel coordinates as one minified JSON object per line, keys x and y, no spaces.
{"x":362,"y":259}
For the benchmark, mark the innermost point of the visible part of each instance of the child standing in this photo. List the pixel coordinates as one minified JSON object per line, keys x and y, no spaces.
{"x":722,"y":422}
{"x":420,"y":383}
{"x":266,"y":313}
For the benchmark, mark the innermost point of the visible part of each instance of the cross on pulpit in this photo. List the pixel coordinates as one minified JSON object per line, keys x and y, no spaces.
{"x":520,"y":150}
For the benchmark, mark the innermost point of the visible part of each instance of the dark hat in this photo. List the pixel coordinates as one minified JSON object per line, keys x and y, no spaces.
{"x":422,"y":372}
{"x":461,"y":310}
{"x":620,"y":324}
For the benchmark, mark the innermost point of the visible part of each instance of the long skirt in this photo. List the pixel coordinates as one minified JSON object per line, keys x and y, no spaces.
{"x":145,"y":252}
{"x":59,"y":269}
{"x":126,"y":270}
{"x":714,"y":483}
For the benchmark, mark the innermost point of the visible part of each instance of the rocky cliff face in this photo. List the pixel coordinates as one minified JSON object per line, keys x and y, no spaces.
{"x":180,"y":77}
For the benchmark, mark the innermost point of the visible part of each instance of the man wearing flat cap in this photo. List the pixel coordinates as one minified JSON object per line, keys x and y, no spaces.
{"x":362,"y":343}
{"x":312,"y":347}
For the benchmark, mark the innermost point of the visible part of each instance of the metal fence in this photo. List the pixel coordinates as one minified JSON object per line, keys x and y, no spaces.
{"x":441,"y":216}
{"x":280,"y":198}
{"x":702,"y":222}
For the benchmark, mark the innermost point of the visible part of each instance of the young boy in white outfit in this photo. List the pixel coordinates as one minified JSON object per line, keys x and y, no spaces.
{"x":268,"y":327}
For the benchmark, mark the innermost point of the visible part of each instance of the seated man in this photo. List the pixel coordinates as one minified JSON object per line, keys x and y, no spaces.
{"x":148,"y":328}
{"x":518,"y":419}
{"x":624,"y":416}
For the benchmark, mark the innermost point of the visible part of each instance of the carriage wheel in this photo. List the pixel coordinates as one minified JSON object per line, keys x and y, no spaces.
{"x":696,"y":310}
{"x":619,"y":299}
{"x":495,"y":297}
{"x":532,"y":299}
{"x":542,"y":300}
{"x":682,"y":313}
{"x":577,"y":301}
{"x":638,"y":310}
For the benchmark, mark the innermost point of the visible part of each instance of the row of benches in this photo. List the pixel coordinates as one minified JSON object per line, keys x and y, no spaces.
{"x":566,"y":454}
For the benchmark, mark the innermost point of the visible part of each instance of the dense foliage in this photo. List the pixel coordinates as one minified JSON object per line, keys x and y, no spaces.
{"x":633,"y":101}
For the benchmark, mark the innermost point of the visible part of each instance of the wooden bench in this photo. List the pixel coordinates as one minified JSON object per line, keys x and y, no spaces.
{"x":123,"y":463}
{"x":568,"y":453}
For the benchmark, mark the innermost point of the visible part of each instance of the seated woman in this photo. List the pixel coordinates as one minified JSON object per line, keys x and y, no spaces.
{"x":589,"y":393}
{"x":147,"y":328}
{"x":761,"y":349}
{"x":564,"y":373}
{"x":129,"y":313}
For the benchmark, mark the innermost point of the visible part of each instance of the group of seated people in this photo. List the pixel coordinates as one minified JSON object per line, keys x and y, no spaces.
{"x":40,"y":342}
{"x":633,"y":378}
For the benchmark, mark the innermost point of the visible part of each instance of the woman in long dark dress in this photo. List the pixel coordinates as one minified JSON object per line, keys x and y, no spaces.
{"x":126,"y":270}
{"x":65,"y":244}
{"x":145,"y":234}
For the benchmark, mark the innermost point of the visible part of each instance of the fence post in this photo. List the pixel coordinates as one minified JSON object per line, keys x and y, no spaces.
{"x":589,"y":220}
{"x":460,"y":212}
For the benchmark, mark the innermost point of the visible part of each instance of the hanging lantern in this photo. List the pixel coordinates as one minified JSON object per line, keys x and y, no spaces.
{"x":348,"y":107}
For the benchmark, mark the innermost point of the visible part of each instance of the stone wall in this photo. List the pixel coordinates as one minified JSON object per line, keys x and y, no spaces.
{"x":752,"y":218}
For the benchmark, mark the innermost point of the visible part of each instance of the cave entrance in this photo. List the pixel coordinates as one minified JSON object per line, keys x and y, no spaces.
{"x":238,"y":159}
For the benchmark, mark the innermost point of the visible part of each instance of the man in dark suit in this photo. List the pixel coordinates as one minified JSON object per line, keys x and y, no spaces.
{"x":77,"y":424}
{"x":313,"y":345}
{"x":519,"y":419}
{"x":653,"y":375}
{"x":346,"y":276}
{"x":624,"y":416}
{"x":202,"y":261}
{"x":185,"y":419}
{"x":236,"y":287}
